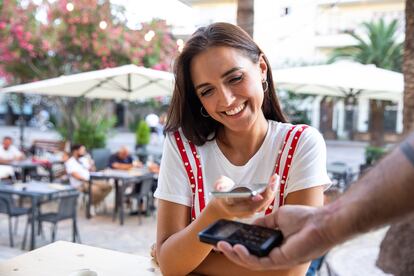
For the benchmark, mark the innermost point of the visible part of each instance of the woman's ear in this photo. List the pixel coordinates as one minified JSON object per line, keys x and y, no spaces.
{"x":263,"y":66}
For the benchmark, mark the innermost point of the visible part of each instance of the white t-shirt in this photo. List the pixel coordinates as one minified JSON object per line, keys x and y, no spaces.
{"x":72,"y":165}
{"x":12,"y":153}
{"x":308,"y":168}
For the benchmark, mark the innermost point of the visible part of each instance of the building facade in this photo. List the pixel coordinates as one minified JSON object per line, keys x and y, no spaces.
{"x":305,"y":32}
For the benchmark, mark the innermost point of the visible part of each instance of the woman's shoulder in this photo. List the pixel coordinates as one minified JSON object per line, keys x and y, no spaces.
{"x":178,"y":135}
{"x":280,"y":129}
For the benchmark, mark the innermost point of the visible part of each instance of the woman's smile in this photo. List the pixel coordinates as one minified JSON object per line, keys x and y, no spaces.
{"x":236,"y":110}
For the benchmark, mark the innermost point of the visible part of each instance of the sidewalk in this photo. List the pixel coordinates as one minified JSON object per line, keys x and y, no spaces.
{"x":356,"y":257}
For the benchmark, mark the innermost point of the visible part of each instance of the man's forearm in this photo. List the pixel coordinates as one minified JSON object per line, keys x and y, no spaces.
{"x":383,"y":195}
{"x":121,"y":166}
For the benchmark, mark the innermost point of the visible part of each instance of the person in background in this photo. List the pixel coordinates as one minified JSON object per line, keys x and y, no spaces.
{"x":8,"y":153}
{"x":78,"y":168}
{"x":384,"y":195}
{"x":122,"y":160}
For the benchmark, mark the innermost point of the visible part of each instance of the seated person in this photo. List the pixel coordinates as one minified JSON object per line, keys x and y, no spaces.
{"x":78,"y":169}
{"x":8,"y":154}
{"x":122,"y":160}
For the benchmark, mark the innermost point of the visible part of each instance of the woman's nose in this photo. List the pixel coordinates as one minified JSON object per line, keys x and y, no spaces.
{"x":226,"y":96}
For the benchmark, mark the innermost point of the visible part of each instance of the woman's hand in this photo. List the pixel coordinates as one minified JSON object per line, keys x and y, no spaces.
{"x":243,"y":207}
{"x":153,"y":252}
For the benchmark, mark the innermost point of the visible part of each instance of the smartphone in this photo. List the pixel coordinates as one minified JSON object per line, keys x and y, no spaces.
{"x":241,"y":192}
{"x":257,"y":239}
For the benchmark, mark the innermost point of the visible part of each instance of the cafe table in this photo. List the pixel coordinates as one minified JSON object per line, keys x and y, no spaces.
{"x":122,"y":179}
{"x":33,"y":164}
{"x":37,"y":192}
{"x":63,"y":258}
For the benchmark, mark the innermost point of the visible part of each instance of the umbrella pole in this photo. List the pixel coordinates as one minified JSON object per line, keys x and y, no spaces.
{"x":126,"y":102}
{"x":21,"y":121}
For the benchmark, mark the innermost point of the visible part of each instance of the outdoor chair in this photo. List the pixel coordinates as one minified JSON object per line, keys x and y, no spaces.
{"x":144,"y":197}
{"x":8,"y":207}
{"x":101,"y":158}
{"x":340,"y":173}
{"x":66,"y":210}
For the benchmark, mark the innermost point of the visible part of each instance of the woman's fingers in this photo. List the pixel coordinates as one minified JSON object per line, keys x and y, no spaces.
{"x":223,"y":184}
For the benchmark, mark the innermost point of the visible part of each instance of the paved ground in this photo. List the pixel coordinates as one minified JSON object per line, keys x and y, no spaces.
{"x":99,"y":231}
{"x":356,"y":257}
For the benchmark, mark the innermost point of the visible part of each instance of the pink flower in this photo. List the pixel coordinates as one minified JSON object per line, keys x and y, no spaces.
{"x":27,"y":36}
{"x":157,"y":66}
{"x":45,"y":45}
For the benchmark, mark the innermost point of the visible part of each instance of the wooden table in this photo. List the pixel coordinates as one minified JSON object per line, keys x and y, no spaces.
{"x":63,"y":258}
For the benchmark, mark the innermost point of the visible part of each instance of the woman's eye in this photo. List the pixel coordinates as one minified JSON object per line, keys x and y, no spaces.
{"x":236,"y":79}
{"x":205,"y":92}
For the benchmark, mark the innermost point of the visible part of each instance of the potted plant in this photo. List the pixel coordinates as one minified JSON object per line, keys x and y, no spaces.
{"x":372,"y":155}
{"x":142,"y":135}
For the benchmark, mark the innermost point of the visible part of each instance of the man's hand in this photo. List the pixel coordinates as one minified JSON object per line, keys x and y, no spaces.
{"x":304,"y":239}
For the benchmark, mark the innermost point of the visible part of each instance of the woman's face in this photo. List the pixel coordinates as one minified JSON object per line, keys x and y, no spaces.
{"x":229,"y":86}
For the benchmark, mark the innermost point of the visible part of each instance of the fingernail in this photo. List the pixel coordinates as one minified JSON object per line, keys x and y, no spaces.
{"x":257,"y":198}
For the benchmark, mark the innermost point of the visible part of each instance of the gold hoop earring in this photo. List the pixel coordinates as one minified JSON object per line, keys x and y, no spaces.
{"x":265,"y":85}
{"x":204,"y":114}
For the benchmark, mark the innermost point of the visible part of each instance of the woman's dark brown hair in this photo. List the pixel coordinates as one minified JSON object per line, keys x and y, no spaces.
{"x":185,"y":106}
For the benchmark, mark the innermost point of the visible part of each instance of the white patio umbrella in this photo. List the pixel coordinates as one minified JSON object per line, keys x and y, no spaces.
{"x":342,"y":79}
{"x":128,"y":82}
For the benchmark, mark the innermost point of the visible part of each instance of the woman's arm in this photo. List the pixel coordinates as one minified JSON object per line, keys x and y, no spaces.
{"x":179,"y":250}
{"x":217,"y":264}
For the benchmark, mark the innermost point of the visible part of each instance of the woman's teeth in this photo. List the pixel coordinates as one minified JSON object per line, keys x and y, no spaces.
{"x":236,"y":110}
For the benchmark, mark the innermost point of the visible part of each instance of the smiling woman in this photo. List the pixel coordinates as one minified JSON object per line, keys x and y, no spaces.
{"x":225,"y":120}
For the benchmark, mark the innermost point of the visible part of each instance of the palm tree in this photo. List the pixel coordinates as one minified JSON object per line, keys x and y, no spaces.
{"x":378,"y":46}
{"x":245,"y":15}
{"x":408,"y":67}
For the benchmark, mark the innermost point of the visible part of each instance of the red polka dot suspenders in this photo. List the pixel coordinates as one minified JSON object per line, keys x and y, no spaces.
{"x":196,"y":183}
{"x":288,"y":161}
{"x":195,"y":188}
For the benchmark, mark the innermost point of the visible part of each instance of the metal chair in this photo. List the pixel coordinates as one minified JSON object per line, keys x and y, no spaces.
{"x":66,"y":210}
{"x":340,"y":173}
{"x":8,"y":207}
{"x":101,"y":158}
{"x":144,"y":195}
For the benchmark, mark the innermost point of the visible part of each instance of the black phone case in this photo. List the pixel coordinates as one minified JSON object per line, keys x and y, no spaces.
{"x":258,"y":246}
